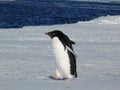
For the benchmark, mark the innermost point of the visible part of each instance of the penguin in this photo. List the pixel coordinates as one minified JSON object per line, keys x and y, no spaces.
{"x":64,"y":55}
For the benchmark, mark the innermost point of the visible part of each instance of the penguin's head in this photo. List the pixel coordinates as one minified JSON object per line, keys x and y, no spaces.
{"x":55,"y":33}
{"x":64,"y":38}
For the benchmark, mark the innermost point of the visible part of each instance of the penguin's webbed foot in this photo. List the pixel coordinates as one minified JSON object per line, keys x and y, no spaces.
{"x":56,"y":78}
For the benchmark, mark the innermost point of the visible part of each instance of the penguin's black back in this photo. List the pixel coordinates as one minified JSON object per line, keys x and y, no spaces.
{"x":72,"y":64}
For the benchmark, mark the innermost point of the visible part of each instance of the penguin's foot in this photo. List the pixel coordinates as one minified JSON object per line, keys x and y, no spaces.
{"x":56,"y":78}
{"x":68,"y":79}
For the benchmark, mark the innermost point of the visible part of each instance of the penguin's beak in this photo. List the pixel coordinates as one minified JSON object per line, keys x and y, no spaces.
{"x":46,"y":33}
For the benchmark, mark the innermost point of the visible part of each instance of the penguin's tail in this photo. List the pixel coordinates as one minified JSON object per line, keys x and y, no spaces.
{"x":75,"y":75}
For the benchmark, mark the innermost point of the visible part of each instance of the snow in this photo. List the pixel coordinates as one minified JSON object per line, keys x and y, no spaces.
{"x":26,"y":56}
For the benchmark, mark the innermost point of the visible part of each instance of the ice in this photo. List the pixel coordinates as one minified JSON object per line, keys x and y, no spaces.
{"x":26,"y":57}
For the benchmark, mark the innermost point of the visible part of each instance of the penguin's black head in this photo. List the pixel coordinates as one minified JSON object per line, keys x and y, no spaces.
{"x":55,"y":33}
{"x":63,"y":38}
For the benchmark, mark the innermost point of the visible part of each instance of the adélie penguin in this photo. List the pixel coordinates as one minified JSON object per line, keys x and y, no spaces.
{"x":64,"y":55}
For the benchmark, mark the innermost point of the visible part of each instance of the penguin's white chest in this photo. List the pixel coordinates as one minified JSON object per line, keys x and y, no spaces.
{"x":61,"y":55}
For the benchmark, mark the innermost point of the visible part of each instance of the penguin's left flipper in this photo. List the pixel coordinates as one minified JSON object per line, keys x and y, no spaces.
{"x":55,"y":78}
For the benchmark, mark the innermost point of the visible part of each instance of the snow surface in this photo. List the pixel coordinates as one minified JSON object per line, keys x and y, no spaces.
{"x":26,"y":56}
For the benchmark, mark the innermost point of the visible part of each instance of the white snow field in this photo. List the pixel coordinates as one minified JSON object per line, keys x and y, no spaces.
{"x":26,"y":56}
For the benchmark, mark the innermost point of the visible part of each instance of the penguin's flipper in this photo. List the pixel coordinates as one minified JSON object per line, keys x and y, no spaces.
{"x":72,"y":42}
